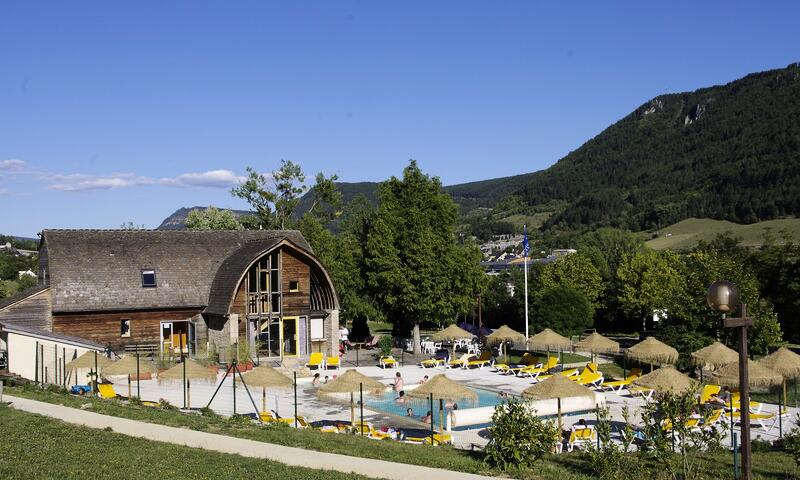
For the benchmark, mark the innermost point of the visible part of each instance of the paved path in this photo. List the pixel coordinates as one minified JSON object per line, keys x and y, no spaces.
{"x":247,"y":448}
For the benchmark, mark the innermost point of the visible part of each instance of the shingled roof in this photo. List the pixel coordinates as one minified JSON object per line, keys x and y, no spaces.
{"x":93,"y":270}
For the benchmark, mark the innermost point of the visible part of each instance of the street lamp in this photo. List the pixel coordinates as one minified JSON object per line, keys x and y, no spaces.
{"x":724,"y":297}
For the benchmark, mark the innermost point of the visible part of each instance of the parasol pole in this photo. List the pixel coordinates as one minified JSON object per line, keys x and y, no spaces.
{"x":559,"y":413}
{"x":352,"y":410}
{"x":129,"y":386}
{"x":441,"y":421}
{"x":431,"y":398}
{"x":263,"y":398}
{"x":188,"y":394}
{"x":525,"y":248}
{"x":138,"y":380}
{"x":361,"y":404}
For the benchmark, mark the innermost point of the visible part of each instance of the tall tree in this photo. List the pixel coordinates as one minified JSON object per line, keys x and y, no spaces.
{"x":650,"y":281}
{"x":279,"y":192}
{"x":212,"y":218}
{"x":414,"y":266}
{"x":576,"y":271}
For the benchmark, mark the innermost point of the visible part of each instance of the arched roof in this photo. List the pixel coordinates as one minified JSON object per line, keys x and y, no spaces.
{"x":233,"y":269}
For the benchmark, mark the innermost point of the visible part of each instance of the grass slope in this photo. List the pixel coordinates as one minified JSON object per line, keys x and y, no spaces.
{"x":35,"y":446}
{"x":687,"y":233}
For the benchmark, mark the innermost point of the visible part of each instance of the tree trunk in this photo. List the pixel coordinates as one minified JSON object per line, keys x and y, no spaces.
{"x":417,"y":347}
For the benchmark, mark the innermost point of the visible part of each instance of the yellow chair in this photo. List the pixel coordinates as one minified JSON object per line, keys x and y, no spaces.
{"x":483,"y":359}
{"x":431,"y":363}
{"x":387,"y":361}
{"x":708,"y":392}
{"x":525,"y":361}
{"x":315,"y":360}
{"x":459,"y":362}
{"x":438,"y":439}
{"x":332,"y":362}
{"x":736,"y":399}
{"x":535,"y":372}
{"x":618,"y":385}
{"x":581,"y":436}
{"x":270,"y":417}
{"x":593,"y":379}
{"x":106,"y":390}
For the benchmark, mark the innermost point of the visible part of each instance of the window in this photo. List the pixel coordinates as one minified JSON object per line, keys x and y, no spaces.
{"x":294,"y":286}
{"x":124,"y":327}
{"x":148,"y":278}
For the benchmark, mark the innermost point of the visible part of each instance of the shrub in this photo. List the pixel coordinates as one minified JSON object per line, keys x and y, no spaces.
{"x":385,"y":345}
{"x":519,"y":437}
{"x":791,"y":443}
{"x":360,"y":330}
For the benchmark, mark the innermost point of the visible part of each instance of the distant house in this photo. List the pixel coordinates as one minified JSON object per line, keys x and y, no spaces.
{"x":167,"y":291}
{"x":28,"y":272}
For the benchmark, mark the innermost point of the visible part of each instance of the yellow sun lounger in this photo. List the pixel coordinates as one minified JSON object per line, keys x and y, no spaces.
{"x":483,"y":359}
{"x":270,"y":417}
{"x":581,"y":436}
{"x":593,"y":379}
{"x":332,"y":362}
{"x":459,"y":362}
{"x":618,"y":385}
{"x":431,"y":363}
{"x":535,"y":372}
{"x":315,"y":360}
{"x":106,"y":390}
{"x":387,"y":361}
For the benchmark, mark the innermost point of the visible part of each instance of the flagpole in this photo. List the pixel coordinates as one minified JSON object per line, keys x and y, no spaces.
{"x":525,"y":253}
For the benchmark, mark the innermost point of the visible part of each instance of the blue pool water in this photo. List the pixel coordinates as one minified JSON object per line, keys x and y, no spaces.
{"x":386,"y":403}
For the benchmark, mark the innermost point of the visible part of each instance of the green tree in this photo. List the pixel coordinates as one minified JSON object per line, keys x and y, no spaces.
{"x":212,"y":219}
{"x":650,"y":281}
{"x":563,"y":309}
{"x":575,"y":271}
{"x":414,"y":267}
{"x":279,"y":192}
{"x":519,"y":438}
{"x":25,"y":282}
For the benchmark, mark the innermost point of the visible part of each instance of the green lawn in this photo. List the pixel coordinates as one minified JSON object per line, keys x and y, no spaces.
{"x":770,"y":465}
{"x":34,"y":446}
{"x":687,"y":233}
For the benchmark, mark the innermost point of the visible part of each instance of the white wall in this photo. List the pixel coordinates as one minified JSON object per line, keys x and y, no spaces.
{"x":22,"y":357}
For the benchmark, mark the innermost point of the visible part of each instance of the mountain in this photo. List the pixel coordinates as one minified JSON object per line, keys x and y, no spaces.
{"x":729,"y":152}
{"x":177,"y":221}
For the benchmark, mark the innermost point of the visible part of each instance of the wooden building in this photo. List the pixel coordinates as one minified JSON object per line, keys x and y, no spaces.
{"x":163,"y":291}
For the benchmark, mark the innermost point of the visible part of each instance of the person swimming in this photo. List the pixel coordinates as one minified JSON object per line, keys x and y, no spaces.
{"x":401,"y":398}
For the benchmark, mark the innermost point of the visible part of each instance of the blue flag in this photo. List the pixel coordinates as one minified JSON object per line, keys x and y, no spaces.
{"x":526,"y":248}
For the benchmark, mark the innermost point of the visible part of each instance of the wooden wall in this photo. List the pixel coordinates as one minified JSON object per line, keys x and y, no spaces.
{"x":33,"y":311}
{"x":295,"y":269}
{"x":104,"y":327}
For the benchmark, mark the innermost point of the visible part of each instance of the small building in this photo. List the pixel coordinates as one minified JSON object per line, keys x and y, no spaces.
{"x":168,"y":291}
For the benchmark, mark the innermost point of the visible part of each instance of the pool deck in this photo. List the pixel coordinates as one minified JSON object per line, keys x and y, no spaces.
{"x":315,"y":407}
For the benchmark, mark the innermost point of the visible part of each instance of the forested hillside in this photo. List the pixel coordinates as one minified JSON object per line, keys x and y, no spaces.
{"x":728,"y":152}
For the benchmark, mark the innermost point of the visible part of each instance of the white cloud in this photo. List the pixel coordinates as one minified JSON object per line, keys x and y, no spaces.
{"x":12,"y":165}
{"x":78,"y":182}
{"x":211,"y":178}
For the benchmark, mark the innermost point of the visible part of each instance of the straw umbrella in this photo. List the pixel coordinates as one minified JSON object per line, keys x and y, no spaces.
{"x":548,"y":340}
{"x":715,"y":355}
{"x":350,"y":382}
{"x":652,"y":351}
{"x":759,"y":376}
{"x":186,"y":371}
{"x":130,"y":365}
{"x":453,"y":332}
{"x":442,"y":388}
{"x":666,"y":379}
{"x":90,"y":359}
{"x":558,"y":387}
{"x":596,"y":343}
{"x":266,"y":376}
{"x":784,"y":362}
{"x":504,"y":334}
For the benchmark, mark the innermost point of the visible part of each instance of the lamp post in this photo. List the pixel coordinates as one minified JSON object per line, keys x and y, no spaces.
{"x":724,"y":297}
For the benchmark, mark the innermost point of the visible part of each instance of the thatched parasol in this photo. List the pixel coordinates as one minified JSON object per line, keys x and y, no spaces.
{"x":266,"y":377}
{"x":596,"y":343}
{"x":548,"y":340}
{"x":652,"y":351}
{"x":453,"y":332}
{"x":444,"y":388}
{"x":350,"y":382}
{"x":194,"y":371}
{"x":504,"y":334}
{"x":128,"y":366}
{"x":87,"y":361}
{"x":557,"y":386}
{"x":666,"y":379}
{"x":785,"y":363}
{"x":716,"y":355}
{"x":759,"y":375}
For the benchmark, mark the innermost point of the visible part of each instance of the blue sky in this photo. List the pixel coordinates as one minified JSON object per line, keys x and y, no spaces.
{"x":113,"y":112}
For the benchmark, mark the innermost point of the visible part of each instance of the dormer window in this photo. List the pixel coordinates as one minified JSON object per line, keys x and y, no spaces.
{"x":148,"y":278}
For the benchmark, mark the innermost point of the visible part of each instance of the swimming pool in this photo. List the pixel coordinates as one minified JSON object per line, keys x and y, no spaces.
{"x":386,"y":403}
